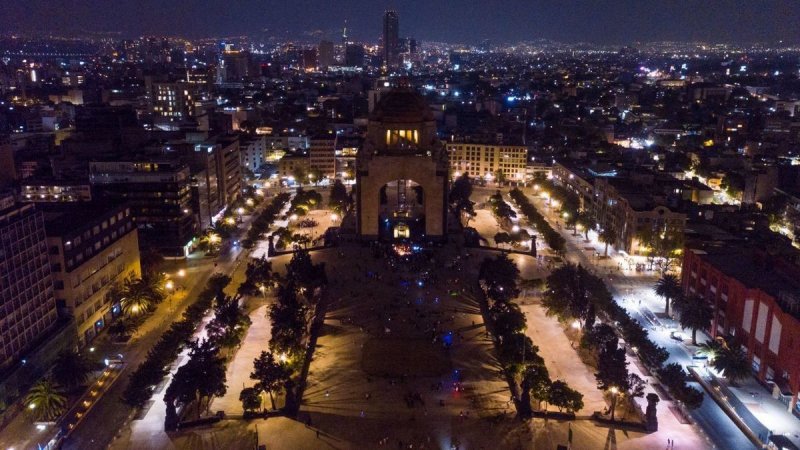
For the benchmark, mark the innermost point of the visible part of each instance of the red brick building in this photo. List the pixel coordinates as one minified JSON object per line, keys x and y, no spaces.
{"x":756,"y":299}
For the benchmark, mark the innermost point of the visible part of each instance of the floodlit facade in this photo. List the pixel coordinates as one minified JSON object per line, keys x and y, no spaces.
{"x":486,"y":160}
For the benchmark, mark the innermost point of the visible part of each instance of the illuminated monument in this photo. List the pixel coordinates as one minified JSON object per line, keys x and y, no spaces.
{"x":402,"y":172}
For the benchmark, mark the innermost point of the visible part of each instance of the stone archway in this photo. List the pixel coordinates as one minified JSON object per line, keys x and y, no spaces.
{"x":381,"y":170}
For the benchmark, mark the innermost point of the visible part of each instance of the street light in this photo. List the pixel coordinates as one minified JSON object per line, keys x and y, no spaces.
{"x":515,"y":229}
{"x":334,"y":217}
{"x":614,"y":392}
{"x":181,"y":273}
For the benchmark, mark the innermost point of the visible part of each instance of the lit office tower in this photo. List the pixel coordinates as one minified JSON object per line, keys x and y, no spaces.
{"x":27,"y":301}
{"x":391,"y":40}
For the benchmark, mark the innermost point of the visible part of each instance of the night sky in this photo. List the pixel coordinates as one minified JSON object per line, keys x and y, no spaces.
{"x":468,"y":21}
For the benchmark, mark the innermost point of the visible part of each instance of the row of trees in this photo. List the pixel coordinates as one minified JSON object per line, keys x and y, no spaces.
{"x":501,"y":210}
{"x":552,"y":238}
{"x":154,"y":368}
{"x":261,"y":224}
{"x":281,"y":369}
{"x":203,"y":377}
{"x":575,"y":294}
{"x":304,"y":201}
{"x":524,"y":369}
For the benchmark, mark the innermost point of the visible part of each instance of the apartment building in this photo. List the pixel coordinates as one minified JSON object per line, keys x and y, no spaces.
{"x":486,"y":160}
{"x":90,"y":249}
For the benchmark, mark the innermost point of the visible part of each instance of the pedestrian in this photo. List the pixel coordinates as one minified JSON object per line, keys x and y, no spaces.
{"x":317,"y":433}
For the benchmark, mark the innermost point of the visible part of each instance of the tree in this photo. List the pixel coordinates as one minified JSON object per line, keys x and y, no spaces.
{"x":139,"y":295}
{"x":612,"y":373}
{"x":300,"y":175}
{"x":305,"y":274}
{"x":587,"y":222}
{"x":669,"y":288}
{"x":571,"y":221}
{"x":339,"y":200}
{"x":201,"y":378}
{"x":250,"y":399}
{"x":314,"y":175}
{"x":733,"y":364}
{"x":499,"y":277}
{"x":599,"y":336}
{"x":500,"y":177}
{"x":608,"y":235}
{"x":501,"y":238}
{"x":71,"y":369}
{"x":45,"y":401}
{"x":696,"y":314}
{"x":461,"y":190}
{"x":270,"y":375}
{"x":508,"y":319}
{"x":564,"y":397}
{"x":536,"y":380}
{"x":258,"y":276}
{"x":288,"y":318}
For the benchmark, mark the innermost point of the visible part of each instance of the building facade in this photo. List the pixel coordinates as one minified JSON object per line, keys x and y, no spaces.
{"x":90,"y":250}
{"x":756,"y":301}
{"x":27,"y":302}
{"x":487,"y":160}
{"x":322,"y":155}
{"x":160,"y":198}
{"x":391,"y":39}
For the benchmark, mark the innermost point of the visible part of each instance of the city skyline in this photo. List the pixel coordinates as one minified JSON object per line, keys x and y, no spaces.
{"x":470,"y":22}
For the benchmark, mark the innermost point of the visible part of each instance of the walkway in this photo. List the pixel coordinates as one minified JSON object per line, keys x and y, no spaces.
{"x":240,"y":367}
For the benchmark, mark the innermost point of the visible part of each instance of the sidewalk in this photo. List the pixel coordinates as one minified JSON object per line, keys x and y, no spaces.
{"x":240,"y":367}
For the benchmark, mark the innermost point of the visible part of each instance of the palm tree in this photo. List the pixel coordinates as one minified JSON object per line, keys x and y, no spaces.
{"x":587,"y":222}
{"x":71,"y":369}
{"x":669,"y":288}
{"x":711,"y":349}
{"x":608,"y":235}
{"x":45,"y":401}
{"x":139,"y":295}
{"x":733,"y":364}
{"x":696,"y":314}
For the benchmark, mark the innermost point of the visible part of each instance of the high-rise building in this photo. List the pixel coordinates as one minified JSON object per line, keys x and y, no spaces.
{"x":170,"y":102}
{"x":391,"y":39}
{"x":354,"y":55}
{"x":325,"y":54}
{"x":236,"y":65}
{"x":27,"y":303}
{"x":160,"y":197}
{"x":322,"y":155}
{"x":309,"y":59}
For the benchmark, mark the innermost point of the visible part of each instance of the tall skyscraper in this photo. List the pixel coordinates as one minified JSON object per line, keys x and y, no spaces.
{"x":391,"y":39}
